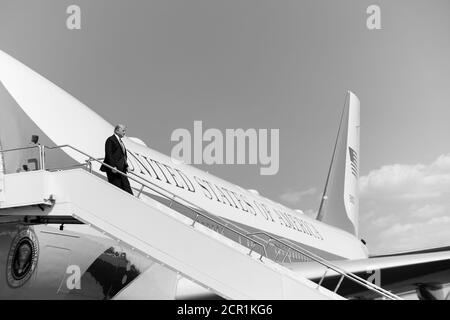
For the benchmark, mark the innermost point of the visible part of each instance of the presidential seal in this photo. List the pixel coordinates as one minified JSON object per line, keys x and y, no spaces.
{"x":22,"y":258}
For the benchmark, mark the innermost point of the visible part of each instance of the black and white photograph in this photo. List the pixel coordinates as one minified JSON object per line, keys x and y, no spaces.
{"x":224,"y":150}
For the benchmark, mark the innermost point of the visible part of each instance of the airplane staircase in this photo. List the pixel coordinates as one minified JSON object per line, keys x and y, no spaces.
{"x":198,"y":253}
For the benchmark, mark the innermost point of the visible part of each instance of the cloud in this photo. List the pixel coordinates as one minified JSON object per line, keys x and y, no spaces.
{"x":408,"y":181}
{"x":428,"y":211}
{"x":414,"y":236}
{"x":295,"y":197}
{"x":406,"y":207}
{"x":382,"y":222}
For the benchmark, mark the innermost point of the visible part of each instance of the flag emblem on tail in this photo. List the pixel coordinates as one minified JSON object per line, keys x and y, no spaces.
{"x":353,"y":161}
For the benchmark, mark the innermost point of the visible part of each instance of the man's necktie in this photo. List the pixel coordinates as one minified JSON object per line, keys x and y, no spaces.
{"x":123,"y":147}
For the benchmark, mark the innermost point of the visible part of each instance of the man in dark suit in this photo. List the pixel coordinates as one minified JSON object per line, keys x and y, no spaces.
{"x":116,"y":157}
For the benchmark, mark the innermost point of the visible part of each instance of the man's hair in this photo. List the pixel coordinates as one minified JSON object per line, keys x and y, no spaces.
{"x":117,"y":127}
{"x":34,"y":138}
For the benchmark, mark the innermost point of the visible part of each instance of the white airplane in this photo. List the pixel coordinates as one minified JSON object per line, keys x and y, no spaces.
{"x":32,"y":105}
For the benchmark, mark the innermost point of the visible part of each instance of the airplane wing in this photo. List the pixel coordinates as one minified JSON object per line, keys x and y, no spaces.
{"x":421,"y":274}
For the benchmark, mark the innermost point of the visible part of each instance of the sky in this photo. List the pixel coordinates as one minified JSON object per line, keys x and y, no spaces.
{"x":160,"y":65}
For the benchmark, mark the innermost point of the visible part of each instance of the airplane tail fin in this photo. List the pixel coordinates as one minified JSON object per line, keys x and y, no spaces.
{"x":339,"y":206}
